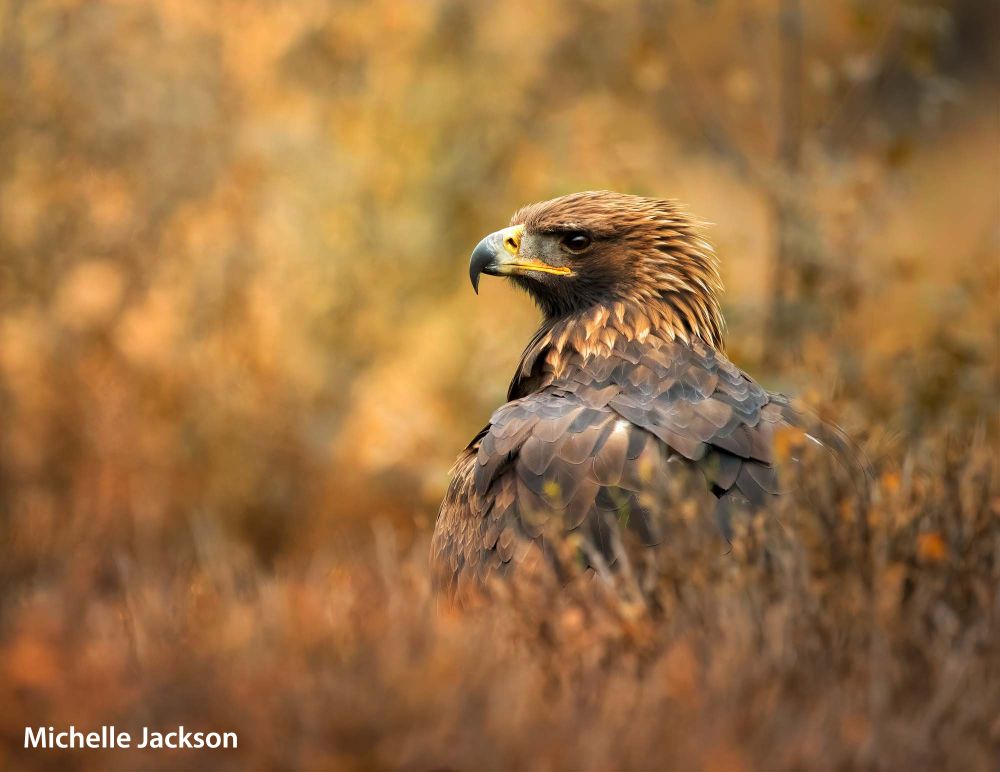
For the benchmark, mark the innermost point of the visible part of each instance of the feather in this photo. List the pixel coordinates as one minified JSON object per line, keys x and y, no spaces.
{"x":536,"y":455}
{"x":609,"y":461}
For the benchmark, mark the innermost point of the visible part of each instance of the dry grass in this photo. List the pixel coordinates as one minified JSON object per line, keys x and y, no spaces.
{"x":839,"y":646}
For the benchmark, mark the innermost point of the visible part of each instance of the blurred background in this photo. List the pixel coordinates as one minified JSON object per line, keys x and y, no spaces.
{"x":234,"y":302}
{"x":234,"y":235}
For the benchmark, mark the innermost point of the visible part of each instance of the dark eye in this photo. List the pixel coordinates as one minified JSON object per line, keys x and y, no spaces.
{"x":576,"y":241}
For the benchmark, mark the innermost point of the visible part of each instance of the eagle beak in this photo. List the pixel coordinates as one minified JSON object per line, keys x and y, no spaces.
{"x":499,"y":254}
{"x":494,"y":253}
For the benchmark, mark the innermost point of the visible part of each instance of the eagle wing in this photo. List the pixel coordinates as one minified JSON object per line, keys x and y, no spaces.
{"x":607,"y":454}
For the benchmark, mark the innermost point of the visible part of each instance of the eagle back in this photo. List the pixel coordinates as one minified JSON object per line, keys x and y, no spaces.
{"x":607,"y":446}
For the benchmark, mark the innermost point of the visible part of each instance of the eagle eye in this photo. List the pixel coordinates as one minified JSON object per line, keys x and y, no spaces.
{"x":576,"y":241}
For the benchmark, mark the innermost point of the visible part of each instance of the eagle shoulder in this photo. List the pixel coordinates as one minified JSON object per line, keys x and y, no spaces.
{"x":604,"y":455}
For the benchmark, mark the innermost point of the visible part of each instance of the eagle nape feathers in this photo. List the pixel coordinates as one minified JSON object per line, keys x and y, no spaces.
{"x":623,"y":405}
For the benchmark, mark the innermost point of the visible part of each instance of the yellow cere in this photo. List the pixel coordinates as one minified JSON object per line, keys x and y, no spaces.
{"x":512,"y":238}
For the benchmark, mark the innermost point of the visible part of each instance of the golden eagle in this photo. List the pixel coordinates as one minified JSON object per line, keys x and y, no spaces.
{"x":624,"y":405}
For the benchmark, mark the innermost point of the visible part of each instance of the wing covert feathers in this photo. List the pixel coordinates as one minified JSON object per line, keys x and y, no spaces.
{"x":605,"y":456}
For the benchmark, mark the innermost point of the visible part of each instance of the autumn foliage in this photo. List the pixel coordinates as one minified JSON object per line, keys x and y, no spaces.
{"x":238,"y":354}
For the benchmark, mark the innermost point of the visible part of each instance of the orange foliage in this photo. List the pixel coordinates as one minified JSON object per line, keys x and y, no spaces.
{"x":238,"y":354}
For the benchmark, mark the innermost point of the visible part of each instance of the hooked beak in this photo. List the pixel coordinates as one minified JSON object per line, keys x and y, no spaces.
{"x":499,"y":254}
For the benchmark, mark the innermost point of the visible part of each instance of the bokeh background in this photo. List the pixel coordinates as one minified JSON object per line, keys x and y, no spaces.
{"x":238,"y":347}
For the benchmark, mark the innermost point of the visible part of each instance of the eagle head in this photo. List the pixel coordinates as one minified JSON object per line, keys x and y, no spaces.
{"x":600,"y":248}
